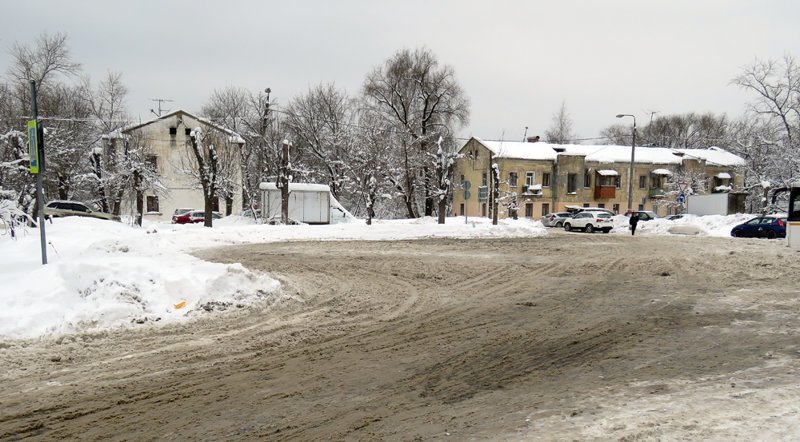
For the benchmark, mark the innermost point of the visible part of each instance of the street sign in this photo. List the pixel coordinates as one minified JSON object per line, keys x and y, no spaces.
{"x":467,"y":194}
{"x":466,"y":185}
{"x":33,"y":146}
{"x":681,"y":198}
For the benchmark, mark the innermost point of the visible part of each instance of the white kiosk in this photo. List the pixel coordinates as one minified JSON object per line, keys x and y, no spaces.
{"x":793,"y":224}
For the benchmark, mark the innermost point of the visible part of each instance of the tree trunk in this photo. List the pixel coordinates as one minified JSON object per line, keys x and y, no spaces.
{"x":429,"y":203}
{"x":207,"y":219}
{"x":284,"y":184}
{"x":137,"y":184}
{"x":228,"y":205}
{"x":442,"y":210}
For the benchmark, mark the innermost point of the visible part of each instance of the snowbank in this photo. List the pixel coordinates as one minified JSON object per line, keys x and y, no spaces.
{"x":104,"y":274}
{"x":709,"y":225}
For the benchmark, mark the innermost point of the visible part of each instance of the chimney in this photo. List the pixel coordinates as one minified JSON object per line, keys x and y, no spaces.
{"x":533,"y":139}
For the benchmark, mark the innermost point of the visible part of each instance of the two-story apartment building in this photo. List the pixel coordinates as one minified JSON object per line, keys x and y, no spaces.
{"x":166,"y":143}
{"x":539,"y":178}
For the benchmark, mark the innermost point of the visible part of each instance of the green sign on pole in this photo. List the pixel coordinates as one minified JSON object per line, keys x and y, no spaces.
{"x":33,"y":146}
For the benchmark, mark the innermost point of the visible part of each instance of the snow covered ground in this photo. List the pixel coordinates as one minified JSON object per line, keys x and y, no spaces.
{"x":104,"y":274}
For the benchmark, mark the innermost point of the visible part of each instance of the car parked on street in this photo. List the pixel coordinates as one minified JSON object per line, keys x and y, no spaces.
{"x":179,"y":212}
{"x":555,"y":219}
{"x":60,"y":208}
{"x":761,"y":227}
{"x":589,"y":222}
{"x":645,"y":215}
{"x":194,"y":216}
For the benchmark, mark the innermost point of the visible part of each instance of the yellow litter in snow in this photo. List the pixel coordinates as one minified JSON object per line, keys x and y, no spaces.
{"x":180,"y":305}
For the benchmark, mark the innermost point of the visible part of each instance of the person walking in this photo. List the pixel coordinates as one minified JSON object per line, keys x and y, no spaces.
{"x":634,"y":221}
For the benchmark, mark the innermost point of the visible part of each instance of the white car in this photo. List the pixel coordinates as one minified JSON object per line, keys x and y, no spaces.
{"x":589,"y":222}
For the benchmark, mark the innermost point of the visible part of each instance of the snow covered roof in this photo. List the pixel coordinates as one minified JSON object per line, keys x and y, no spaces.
{"x":661,"y":172}
{"x":520,"y":150}
{"x":715,"y":155}
{"x":609,"y":153}
{"x":233,"y":137}
{"x":300,"y":187}
{"x":608,"y":172}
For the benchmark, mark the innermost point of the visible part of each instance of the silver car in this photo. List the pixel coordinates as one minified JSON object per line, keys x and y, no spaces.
{"x":555,"y":219}
{"x":55,"y":209}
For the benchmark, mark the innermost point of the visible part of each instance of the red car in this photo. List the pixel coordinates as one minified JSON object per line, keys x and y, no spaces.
{"x":195,"y":216}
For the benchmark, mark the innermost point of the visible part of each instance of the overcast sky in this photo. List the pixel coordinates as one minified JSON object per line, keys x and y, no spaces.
{"x":516,"y":60}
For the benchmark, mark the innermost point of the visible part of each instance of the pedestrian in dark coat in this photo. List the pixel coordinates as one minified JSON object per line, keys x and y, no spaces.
{"x":634,"y":221}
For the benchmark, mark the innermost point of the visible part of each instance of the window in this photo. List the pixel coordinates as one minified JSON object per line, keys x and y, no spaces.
{"x":529,"y":210}
{"x":188,"y":132}
{"x":572,"y":184}
{"x":461,"y":209}
{"x":615,"y":208}
{"x":173,"y":131}
{"x":512,"y":179}
{"x":601,"y":205}
{"x":545,"y":180}
{"x":585,"y":204}
{"x":587,"y":178}
{"x":616,"y":181}
{"x":484,"y":179}
{"x":641,"y":206}
{"x":462,"y":179}
{"x":642,"y":181}
{"x":151,"y":163}
{"x":152,"y":203}
{"x":483,"y":209}
{"x":529,"y":178}
{"x":545,"y":209}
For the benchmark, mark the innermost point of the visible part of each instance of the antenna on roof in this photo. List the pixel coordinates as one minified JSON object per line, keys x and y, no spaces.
{"x":525,"y":137}
{"x":159,"y":100}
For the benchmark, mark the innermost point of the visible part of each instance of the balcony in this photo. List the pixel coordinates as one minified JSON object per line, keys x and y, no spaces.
{"x":532,"y":190}
{"x":656,"y":192}
{"x":604,"y":192}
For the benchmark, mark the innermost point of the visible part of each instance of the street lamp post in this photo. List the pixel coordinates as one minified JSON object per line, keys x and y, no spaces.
{"x":630,"y":169}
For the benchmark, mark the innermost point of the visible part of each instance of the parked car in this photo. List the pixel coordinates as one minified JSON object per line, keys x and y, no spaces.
{"x":761,"y":227}
{"x":59,"y":208}
{"x":555,"y":219}
{"x":589,"y":222}
{"x":194,"y":216}
{"x":645,"y":215}
{"x":179,"y":212}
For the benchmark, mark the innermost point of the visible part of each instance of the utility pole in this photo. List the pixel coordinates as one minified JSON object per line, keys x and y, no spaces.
{"x":159,"y":100}
{"x":36,"y":140}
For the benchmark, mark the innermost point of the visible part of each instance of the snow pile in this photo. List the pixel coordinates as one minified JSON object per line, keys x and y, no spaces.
{"x":708,"y":225}
{"x":104,"y":274}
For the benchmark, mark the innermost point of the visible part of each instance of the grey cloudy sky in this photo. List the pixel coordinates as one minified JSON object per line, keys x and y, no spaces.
{"x":517,"y":60}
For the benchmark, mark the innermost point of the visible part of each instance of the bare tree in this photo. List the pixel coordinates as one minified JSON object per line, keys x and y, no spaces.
{"x":777,"y":86}
{"x":213,"y":165}
{"x":422,"y":101}
{"x":320,"y":122}
{"x":560,"y":131}
{"x":107,"y":103}
{"x":769,"y":136}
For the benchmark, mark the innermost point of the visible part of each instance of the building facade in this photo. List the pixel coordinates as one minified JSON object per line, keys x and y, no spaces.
{"x":538,"y":178}
{"x":167,"y":149}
